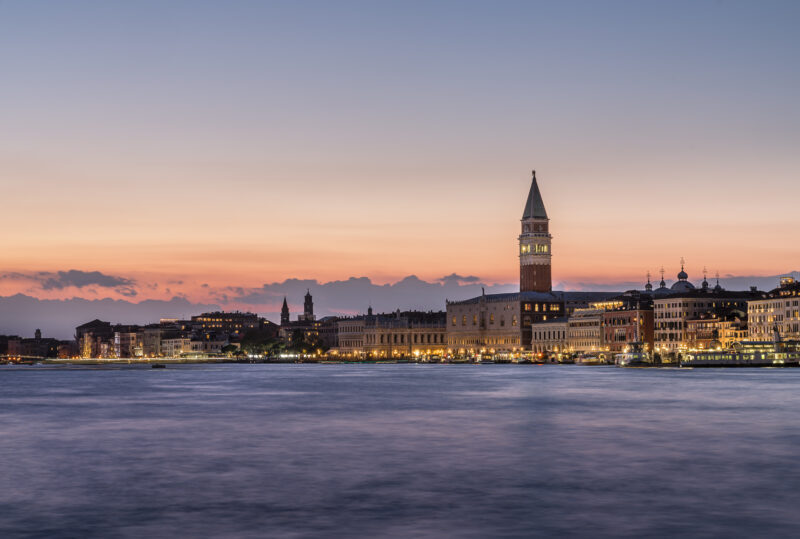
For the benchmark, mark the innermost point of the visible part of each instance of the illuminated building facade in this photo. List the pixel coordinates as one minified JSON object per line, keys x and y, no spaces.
{"x":409,"y":334}
{"x":95,"y":339}
{"x":778,"y":310}
{"x":672,"y":312}
{"x":489,"y":323}
{"x":405,"y":335}
{"x":351,"y":335}
{"x":715,"y":330}
{"x":585,"y":331}
{"x":128,"y":341}
{"x":234,"y":324}
{"x":627,"y":318}
{"x":176,"y":346}
{"x":550,"y":337}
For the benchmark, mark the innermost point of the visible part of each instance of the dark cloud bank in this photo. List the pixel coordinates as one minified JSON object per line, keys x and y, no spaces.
{"x":76,"y":278}
{"x":356,"y":294}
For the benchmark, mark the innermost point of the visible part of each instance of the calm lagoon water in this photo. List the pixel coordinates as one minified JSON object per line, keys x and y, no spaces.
{"x":398,"y":451}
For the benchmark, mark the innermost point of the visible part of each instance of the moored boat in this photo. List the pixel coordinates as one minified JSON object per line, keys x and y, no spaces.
{"x":634,"y":356}
{"x":775,"y":353}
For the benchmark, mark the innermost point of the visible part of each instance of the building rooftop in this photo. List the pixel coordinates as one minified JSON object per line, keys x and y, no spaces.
{"x":544,"y":297}
{"x":712,"y":293}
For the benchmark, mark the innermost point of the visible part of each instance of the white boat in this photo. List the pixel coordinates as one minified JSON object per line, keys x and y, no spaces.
{"x":634,"y":356}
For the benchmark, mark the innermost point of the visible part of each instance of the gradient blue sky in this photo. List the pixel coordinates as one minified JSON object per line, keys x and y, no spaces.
{"x":241,"y":143}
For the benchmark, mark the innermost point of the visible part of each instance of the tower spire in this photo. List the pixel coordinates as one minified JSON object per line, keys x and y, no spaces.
{"x":284,"y":312}
{"x":534,"y":206}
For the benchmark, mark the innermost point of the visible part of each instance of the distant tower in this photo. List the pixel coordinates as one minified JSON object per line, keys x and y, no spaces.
{"x":662,"y":284}
{"x":534,"y":244}
{"x":284,"y":313}
{"x":705,"y":278}
{"x":369,"y":311}
{"x":649,"y":286}
{"x":308,"y":307}
{"x":38,"y":335}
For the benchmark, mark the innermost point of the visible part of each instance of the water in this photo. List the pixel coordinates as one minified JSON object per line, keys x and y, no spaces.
{"x":398,"y":451}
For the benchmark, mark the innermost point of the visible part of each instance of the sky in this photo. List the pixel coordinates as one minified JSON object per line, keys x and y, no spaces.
{"x":203,"y":150}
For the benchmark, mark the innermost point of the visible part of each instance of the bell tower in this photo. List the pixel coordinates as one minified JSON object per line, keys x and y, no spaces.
{"x":285,"y":313}
{"x":534,"y":244}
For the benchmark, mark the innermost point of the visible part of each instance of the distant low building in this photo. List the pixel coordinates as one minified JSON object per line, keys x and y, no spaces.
{"x":36,"y":347}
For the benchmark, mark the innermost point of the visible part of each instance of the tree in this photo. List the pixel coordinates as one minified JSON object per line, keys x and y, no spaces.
{"x":260,"y":342}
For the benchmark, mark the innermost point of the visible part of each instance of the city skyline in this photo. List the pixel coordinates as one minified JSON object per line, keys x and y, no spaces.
{"x":348,"y":298}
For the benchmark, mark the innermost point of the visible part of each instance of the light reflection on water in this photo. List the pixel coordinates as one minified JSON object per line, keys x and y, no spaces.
{"x":397,"y":451}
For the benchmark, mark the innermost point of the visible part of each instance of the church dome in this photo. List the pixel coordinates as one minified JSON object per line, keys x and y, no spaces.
{"x":682,"y":286}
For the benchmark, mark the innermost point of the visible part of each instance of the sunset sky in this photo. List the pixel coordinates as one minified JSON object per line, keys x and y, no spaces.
{"x":172,"y":145}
